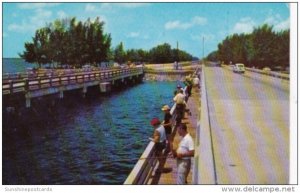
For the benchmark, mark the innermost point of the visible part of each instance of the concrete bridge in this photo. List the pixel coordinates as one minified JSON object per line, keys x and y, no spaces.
{"x":241,"y":131}
{"x":241,"y":122}
{"x":60,"y":81}
{"x":243,"y":136}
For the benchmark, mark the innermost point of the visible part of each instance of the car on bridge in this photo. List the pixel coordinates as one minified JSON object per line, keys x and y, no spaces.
{"x":239,"y":68}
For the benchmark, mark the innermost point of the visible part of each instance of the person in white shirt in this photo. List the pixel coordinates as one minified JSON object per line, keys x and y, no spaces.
{"x":184,"y":153}
{"x":179,"y":99}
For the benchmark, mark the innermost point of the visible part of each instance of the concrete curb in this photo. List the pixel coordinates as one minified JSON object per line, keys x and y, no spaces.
{"x":204,"y":167}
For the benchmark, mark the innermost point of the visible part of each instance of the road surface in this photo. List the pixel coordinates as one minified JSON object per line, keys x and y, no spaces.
{"x":249,"y":121}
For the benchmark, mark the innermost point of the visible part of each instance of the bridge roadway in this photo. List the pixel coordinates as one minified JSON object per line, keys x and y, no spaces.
{"x":249,"y":124}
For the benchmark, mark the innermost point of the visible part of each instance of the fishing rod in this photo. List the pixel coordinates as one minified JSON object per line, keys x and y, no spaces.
{"x":135,"y":142}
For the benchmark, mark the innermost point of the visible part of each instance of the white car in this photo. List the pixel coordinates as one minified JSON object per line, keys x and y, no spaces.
{"x":239,"y":68}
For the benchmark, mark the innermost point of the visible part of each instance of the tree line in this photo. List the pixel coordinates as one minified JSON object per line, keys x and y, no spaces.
{"x":76,"y":43}
{"x":162,"y":53}
{"x":68,"y":42}
{"x":262,"y":48}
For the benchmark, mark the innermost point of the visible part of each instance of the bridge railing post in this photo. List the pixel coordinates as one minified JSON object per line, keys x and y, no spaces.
{"x":39,"y":82}
{"x":76,"y":78}
{"x":60,"y":80}
{"x":11,"y":86}
{"x":51,"y":81}
{"x":26,"y":84}
{"x":69,"y":80}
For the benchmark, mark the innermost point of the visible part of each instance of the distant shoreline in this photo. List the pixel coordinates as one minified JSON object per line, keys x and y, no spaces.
{"x":11,"y":58}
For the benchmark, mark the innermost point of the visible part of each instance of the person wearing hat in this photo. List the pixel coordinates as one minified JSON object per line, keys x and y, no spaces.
{"x":167,"y":125}
{"x":159,"y":138}
{"x":179,"y":99}
{"x":178,"y":89}
{"x":189,"y":85}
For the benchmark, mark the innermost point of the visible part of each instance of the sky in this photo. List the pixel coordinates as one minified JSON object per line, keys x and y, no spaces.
{"x":197,"y":27}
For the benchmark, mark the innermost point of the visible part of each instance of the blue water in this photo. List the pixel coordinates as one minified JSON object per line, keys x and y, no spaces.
{"x":97,"y":141}
{"x":11,"y":65}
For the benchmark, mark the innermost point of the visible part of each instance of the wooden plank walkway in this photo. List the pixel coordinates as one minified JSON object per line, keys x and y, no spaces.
{"x":168,"y":176}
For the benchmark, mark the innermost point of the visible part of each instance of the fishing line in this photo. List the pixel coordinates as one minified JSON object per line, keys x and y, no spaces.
{"x":134,"y":159}
{"x":136,"y":142}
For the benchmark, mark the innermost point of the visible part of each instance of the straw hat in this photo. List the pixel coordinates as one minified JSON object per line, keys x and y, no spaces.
{"x":165,"y":107}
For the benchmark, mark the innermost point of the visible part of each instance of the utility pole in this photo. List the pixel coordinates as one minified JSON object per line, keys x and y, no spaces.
{"x":203,"y":49}
{"x":227,"y":26}
{"x":177,"y":58}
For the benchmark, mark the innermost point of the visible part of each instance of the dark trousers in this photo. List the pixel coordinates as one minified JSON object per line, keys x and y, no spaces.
{"x":180,"y":108}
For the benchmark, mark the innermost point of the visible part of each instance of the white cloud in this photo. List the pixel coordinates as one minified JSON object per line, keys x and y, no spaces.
{"x":106,"y":5}
{"x":199,"y":20}
{"x":61,"y":14}
{"x":90,"y":7}
{"x":175,"y":24}
{"x":138,"y":35}
{"x":23,"y":27}
{"x":185,"y":25}
{"x":133,"y":5}
{"x":282,"y":25}
{"x":273,"y":19}
{"x":245,"y":25}
{"x":277,"y":21}
{"x":133,"y":35}
{"x":93,"y":8}
{"x":38,"y":20}
{"x":36,"y":5}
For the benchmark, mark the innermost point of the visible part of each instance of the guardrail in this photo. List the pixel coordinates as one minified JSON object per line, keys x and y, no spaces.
{"x":15,"y":85}
{"x":143,"y":169}
{"x":270,"y":73}
{"x":264,"y":72}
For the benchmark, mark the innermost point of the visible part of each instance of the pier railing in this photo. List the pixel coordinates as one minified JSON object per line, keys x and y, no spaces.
{"x":145,"y":166}
{"x":15,"y":84}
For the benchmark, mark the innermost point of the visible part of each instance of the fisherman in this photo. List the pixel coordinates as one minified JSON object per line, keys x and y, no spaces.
{"x":167,"y":123}
{"x":184,"y":153}
{"x":179,"y":99}
{"x":159,"y":138}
